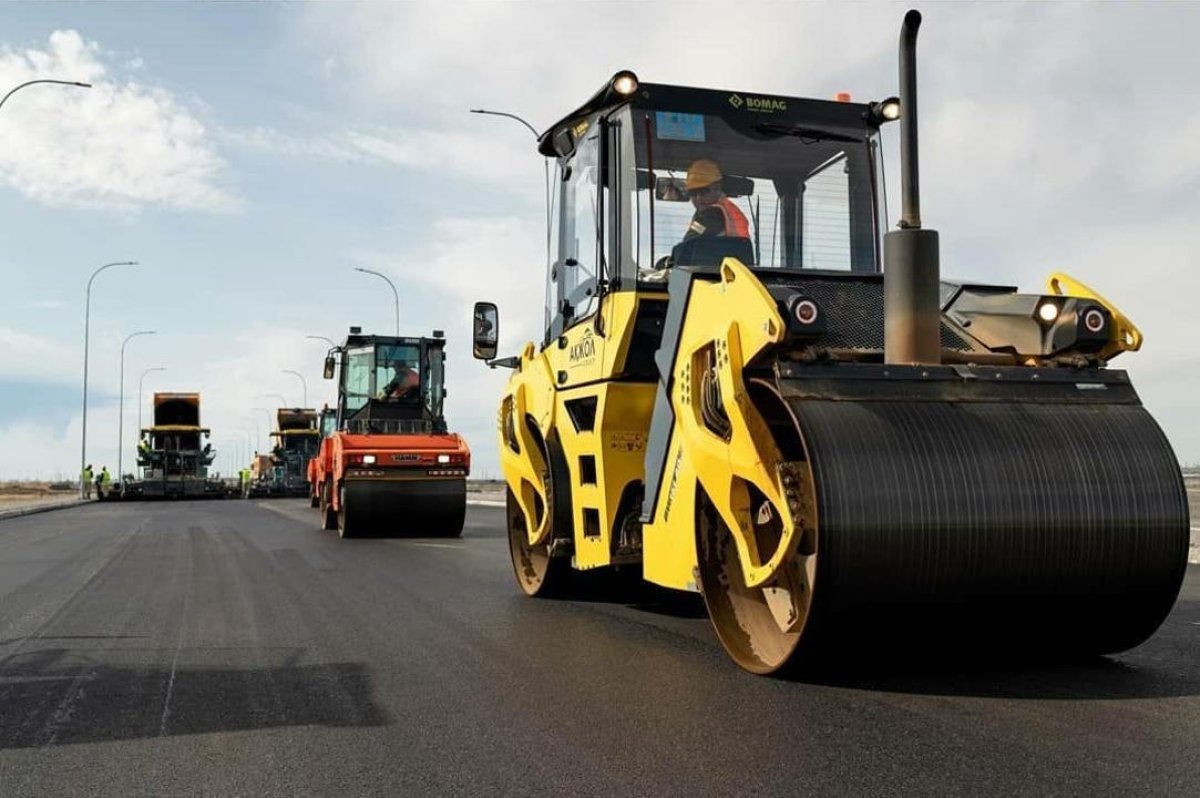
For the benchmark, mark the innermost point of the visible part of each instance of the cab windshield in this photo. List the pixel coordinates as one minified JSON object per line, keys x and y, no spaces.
{"x":328,"y":423}
{"x":389,"y":373}
{"x":398,"y":373}
{"x":798,"y":197}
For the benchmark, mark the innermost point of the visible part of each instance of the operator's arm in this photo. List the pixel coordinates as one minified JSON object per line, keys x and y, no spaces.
{"x":707,"y":222}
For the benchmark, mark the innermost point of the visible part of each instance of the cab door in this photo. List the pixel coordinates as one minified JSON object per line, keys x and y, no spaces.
{"x":574,"y":345}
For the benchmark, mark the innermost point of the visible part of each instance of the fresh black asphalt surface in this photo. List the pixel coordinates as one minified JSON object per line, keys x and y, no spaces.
{"x":233,"y":648}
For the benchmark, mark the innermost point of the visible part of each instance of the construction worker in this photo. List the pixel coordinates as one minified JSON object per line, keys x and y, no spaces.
{"x":105,"y":482}
{"x":87,"y":481}
{"x":716,"y":214}
{"x":244,"y":482}
{"x":404,"y":383}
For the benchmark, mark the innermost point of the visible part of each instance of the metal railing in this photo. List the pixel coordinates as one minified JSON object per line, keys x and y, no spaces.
{"x":389,"y":426}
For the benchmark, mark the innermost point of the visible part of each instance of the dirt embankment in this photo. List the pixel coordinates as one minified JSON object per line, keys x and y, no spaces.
{"x":22,"y":494}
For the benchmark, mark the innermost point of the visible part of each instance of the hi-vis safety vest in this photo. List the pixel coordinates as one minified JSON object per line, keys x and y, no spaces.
{"x":736,"y":224}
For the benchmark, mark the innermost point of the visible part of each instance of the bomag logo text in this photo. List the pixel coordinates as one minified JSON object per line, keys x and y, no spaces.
{"x":765,"y":104}
{"x":585,"y":349}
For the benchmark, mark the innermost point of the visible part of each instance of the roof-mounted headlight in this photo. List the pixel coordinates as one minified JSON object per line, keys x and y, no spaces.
{"x":624,"y":83}
{"x":885,"y":110}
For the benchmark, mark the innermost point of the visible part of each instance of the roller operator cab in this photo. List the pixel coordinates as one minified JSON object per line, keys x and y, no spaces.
{"x":392,"y":466}
{"x":735,"y":396}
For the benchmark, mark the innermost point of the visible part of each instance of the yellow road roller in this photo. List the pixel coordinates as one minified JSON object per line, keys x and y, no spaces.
{"x":749,"y":388}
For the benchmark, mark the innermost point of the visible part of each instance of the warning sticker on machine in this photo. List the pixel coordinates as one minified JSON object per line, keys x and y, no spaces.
{"x":671,"y":126}
{"x":627,"y":441}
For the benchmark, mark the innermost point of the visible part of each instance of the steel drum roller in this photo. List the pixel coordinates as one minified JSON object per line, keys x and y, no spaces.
{"x":1022,"y":515}
{"x":413,"y":508}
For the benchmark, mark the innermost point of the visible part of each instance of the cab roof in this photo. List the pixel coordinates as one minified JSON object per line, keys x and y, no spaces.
{"x":358,"y":339}
{"x":559,"y":139}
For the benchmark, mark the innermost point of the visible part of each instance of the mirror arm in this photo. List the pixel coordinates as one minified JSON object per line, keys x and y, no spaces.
{"x":505,"y":362}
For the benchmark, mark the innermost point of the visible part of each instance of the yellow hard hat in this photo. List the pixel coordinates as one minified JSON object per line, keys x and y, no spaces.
{"x":702,"y":173}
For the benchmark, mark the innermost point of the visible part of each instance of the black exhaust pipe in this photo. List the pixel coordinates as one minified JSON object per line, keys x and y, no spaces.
{"x":912,"y":316}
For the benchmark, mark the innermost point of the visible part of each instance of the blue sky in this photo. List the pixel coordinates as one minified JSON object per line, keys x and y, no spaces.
{"x":249,"y":155}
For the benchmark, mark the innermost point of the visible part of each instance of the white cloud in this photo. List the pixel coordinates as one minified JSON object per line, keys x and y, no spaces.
{"x":499,"y":259}
{"x":120,"y":144}
{"x":28,"y":357}
{"x":265,"y":140}
{"x":475,"y":155}
{"x":47,"y":452}
{"x":532,"y":59}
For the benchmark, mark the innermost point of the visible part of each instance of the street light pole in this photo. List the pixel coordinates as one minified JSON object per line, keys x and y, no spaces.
{"x":330,"y":341}
{"x":121,"y":408}
{"x":13,"y":91}
{"x":394,"y":293}
{"x":239,"y":451}
{"x":282,"y":400}
{"x":140,"y":380}
{"x":545,"y":169}
{"x":303,"y":382}
{"x":266,"y":412}
{"x":87,"y":317}
{"x":257,"y":431}
{"x":243,"y":443}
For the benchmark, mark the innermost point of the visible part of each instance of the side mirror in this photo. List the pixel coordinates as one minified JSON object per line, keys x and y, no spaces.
{"x":330,"y":365}
{"x":485,"y":330}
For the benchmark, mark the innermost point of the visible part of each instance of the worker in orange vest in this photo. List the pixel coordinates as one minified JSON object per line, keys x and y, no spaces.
{"x":404,"y":384}
{"x":716,"y":214}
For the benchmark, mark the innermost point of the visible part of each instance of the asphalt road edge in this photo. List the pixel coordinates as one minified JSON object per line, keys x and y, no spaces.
{"x":41,"y":508}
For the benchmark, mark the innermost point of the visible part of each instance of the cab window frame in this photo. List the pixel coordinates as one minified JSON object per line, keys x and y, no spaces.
{"x":567,"y":295}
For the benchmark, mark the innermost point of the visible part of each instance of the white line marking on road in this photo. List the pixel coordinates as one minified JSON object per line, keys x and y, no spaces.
{"x":183,"y":614}
{"x":438,"y":545}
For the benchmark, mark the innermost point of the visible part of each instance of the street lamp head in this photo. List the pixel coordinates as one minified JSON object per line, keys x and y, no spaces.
{"x":81,"y":84}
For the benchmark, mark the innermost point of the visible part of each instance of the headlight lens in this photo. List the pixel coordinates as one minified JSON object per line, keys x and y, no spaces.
{"x":368,"y":459}
{"x":625,"y":83}
{"x":443,"y":458}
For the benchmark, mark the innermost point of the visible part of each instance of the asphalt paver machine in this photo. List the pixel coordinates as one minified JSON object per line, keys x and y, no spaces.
{"x":174,"y":454}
